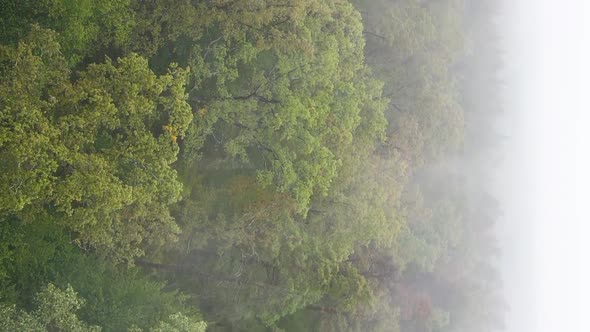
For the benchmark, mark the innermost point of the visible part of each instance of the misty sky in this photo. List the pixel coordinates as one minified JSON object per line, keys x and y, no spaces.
{"x":543,"y":182}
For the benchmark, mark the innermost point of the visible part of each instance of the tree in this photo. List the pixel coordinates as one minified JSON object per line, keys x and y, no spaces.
{"x":180,"y":323}
{"x":283,"y":106}
{"x":97,"y":152}
{"x":83,"y":27}
{"x":279,"y":88}
{"x":56,"y":311}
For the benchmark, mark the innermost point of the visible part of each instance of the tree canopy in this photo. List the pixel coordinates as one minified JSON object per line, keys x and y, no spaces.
{"x":234,"y":165}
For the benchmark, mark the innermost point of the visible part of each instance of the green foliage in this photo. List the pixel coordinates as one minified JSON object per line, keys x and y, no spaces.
{"x":98,"y":150}
{"x":311,"y":190}
{"x":278,"y":88}
{"x":116,"y":297}
{"x":413,"y":47}
{"x":83,"y":26}
{"x":180,"y":323}
{"x":56,"y":311}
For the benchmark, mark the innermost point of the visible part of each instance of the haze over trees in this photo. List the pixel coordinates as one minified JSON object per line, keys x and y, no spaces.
{"x":309,"y":165}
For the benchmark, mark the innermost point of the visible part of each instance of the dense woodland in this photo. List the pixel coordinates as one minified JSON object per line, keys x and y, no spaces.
{"x":248,"y":165}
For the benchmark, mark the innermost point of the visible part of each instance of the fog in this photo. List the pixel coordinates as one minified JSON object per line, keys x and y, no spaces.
{"x":542,"y":181}
{"x":300,"y":165}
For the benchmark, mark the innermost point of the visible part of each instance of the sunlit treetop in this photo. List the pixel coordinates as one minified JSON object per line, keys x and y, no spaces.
{"x":97,"y":150}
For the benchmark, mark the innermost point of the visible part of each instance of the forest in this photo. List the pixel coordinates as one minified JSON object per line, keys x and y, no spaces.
{"x":248,"y":165}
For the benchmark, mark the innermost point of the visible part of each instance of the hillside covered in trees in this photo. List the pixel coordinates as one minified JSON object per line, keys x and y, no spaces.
{"x":248,"y":165}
